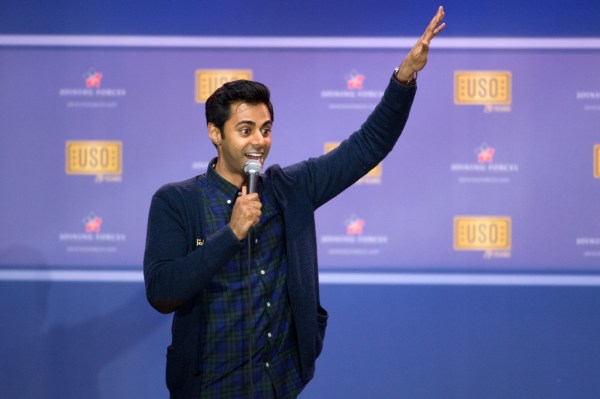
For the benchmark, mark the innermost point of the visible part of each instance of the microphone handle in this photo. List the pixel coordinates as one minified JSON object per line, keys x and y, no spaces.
{"x":252,"y":179}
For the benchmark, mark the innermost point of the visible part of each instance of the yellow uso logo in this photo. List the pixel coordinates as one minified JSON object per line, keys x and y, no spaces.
{"x":481,"y":233}
{"x":209,"y":80}
{"x":376,"y":172}
{"x":94,"y":157}
{"x":597,"y":161}
{"x":482,"y":87}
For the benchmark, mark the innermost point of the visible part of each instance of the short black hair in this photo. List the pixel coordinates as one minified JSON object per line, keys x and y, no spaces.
{"x":218,"y":105}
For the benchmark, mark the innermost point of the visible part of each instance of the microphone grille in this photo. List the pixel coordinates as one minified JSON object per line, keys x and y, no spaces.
{"x":253,"y":166}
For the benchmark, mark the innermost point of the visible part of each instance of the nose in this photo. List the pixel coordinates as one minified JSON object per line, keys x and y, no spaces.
{"x":258,"y":140}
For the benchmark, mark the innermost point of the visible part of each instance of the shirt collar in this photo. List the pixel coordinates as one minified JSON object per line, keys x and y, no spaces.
{"x":220,"y":184}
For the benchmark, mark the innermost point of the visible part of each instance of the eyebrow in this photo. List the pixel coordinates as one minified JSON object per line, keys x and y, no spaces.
{"x":252,"y":123}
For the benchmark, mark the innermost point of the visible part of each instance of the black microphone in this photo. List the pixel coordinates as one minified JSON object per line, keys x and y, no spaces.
{"x":252,"y":169}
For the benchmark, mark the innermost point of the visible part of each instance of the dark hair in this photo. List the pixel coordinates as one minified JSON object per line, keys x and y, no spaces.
{"x":218,"y":105}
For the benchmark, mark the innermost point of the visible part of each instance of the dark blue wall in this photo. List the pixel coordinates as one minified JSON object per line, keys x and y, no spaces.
{"x":513,"y":18}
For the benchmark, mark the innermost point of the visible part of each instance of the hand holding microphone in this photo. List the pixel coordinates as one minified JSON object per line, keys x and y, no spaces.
{"x":252,"y":169}
{"x":247,"y":209}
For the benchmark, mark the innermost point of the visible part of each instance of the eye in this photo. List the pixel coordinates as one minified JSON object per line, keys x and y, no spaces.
{"x":245,"y":131}
{"x":265,"y":131}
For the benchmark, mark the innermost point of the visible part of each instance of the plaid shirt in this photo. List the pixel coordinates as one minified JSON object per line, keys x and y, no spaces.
{"x":224,"y":346}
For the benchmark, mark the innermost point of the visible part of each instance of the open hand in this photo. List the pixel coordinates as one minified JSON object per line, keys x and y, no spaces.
{"x":416,"y":59}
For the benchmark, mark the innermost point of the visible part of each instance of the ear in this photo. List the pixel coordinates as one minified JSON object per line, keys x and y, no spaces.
{"x":214,"y":134}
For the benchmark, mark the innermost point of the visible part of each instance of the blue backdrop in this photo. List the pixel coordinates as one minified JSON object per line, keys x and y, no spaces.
{"x":465,"y":267}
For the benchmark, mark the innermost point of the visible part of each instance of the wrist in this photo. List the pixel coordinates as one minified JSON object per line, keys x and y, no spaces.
{"x":405,"y":76}
{"x":239,"y":235}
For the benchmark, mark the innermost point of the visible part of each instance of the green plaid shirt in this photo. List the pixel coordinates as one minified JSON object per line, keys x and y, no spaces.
{"x":224,"y":346}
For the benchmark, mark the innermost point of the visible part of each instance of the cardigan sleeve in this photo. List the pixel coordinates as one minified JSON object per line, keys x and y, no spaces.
{"x":175,"y":268}
{"x":324,"y":177}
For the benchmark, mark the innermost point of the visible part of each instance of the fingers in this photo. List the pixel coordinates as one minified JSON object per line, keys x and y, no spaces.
{"x":436,"y":24}
{"x":250,"y":208}
{"x":245,"y":214}
{"x":439,"y":29}
{"x":437,"y":18}
{"x":416,"y":59}
{"x":434,"y":27}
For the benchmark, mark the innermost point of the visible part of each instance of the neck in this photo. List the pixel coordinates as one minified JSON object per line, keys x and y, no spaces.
{"x":232,"y":177}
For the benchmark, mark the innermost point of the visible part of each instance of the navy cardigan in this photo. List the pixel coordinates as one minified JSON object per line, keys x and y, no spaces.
{"x":177,"y":267}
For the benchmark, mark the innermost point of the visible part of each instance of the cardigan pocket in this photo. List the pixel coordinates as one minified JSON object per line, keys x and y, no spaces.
{"x":322,"y":317}
{"x":175,"y":375}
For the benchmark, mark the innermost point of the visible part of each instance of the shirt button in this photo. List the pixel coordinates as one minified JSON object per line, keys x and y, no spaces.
{"x":229,"y":201}
{"x":262,"y":272}
{"x":268,"y":304}
{"x":267,"y":364}
{"x":256,"y":240}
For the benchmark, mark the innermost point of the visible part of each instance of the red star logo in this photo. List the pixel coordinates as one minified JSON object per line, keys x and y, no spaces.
{"x":485,"y":154}
{"x":92,"y":224}
{"x":355,"y":226}
{"x":93,"y":79}
{"x":355,"y":81}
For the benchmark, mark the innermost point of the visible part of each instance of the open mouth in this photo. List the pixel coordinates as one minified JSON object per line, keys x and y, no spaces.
{"x":255,"y":155}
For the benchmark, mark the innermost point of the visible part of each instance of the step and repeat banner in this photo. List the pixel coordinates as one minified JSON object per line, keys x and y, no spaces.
{"x":498,"y":168}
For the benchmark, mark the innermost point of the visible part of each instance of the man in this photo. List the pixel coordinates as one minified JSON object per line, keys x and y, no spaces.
{"x":239,"y":269}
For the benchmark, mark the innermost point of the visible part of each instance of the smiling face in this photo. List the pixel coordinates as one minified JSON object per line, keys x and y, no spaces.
{"x":246,"y":135}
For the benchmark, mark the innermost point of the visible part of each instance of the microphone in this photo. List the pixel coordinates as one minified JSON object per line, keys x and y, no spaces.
{"x":252,"y":169}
